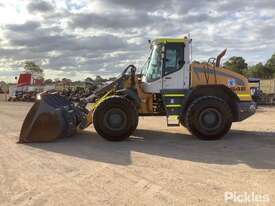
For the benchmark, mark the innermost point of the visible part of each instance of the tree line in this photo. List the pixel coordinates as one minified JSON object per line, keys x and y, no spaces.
{"x":33,"y":68}
{"x":236,"y":63}
{"x":260,"y":70}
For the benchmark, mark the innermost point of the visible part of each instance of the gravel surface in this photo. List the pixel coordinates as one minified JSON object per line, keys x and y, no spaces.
{"x":156,"y":166}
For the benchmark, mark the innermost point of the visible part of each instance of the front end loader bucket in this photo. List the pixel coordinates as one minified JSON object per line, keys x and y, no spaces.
{"x":50,"y":118}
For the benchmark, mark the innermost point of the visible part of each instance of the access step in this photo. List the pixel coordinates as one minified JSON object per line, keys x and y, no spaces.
{"x":173,"y":101}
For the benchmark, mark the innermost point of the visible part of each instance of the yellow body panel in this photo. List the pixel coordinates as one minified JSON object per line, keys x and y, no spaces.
{"x":203,"y":74}
{"x":170,"y":40}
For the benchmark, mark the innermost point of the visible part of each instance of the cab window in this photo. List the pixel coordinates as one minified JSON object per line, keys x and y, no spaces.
{"x":174,"y":58}
{"x":154,"y":64}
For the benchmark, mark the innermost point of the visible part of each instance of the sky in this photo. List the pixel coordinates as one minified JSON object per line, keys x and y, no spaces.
{"x":83,"y":38}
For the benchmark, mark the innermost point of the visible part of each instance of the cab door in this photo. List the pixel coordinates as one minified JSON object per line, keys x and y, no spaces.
{"x":173,"y":67}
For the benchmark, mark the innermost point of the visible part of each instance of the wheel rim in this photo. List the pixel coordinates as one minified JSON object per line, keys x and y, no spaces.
{"x":115,"y":119}
{"x":210,"y":119}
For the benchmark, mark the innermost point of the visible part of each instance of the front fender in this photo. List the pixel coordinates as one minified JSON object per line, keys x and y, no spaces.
{"x":130,"y":94}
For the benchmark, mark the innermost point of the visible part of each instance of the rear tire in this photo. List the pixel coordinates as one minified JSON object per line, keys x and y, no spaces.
{"x":208,"y":118}
{"x":115,"y":119}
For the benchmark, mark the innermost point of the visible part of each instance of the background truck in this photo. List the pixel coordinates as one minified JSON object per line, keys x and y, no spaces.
{"x":27,"y":87}
{"x":267,"y":88}
{"x":263,"y":91}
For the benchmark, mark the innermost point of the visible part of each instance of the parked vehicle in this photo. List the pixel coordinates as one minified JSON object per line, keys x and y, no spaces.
{"x":262,"y":91}
{"x":27,"y":87}
{"x":205,"y":98}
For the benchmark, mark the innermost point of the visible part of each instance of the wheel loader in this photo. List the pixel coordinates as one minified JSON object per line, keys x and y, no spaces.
{"x":203,"y":97}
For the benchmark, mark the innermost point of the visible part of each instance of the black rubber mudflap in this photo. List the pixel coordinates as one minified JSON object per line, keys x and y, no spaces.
{"x":50,"y":118}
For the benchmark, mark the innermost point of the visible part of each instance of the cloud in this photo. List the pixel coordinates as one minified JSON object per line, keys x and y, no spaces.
{"x":40,"y":6}
{"x":56,"y":50}
{"x":42,"y":42}
{"x":26,"y":27}
{"x":82,"y":37}
{"x":115,"y":20}
{"x":139,"y":5}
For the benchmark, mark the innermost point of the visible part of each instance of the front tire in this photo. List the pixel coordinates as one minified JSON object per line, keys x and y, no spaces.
{"x":115,"y":119}
{"x":209,"y":118}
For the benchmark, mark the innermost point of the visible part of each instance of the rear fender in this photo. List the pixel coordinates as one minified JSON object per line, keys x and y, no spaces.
{"x":219,"y":91}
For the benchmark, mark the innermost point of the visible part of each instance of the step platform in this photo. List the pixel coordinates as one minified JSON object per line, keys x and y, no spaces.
{"x":174,"y":101}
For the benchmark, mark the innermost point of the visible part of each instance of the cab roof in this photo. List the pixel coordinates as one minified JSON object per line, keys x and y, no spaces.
{"x":170,"y":40}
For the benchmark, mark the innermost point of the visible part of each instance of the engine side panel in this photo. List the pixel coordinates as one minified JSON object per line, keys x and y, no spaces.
{"x":203,"y":74}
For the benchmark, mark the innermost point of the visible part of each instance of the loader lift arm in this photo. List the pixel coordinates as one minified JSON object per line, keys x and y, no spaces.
{"x":115,"y":85}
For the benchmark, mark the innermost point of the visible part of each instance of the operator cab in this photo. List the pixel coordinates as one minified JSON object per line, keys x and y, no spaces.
{"x":167,"y":66}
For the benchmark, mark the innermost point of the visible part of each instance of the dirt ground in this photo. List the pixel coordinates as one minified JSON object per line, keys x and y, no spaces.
{"x":156,"y":166}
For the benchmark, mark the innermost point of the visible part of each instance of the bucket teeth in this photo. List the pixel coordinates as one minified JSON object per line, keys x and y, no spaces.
{"x":50,"y":118}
